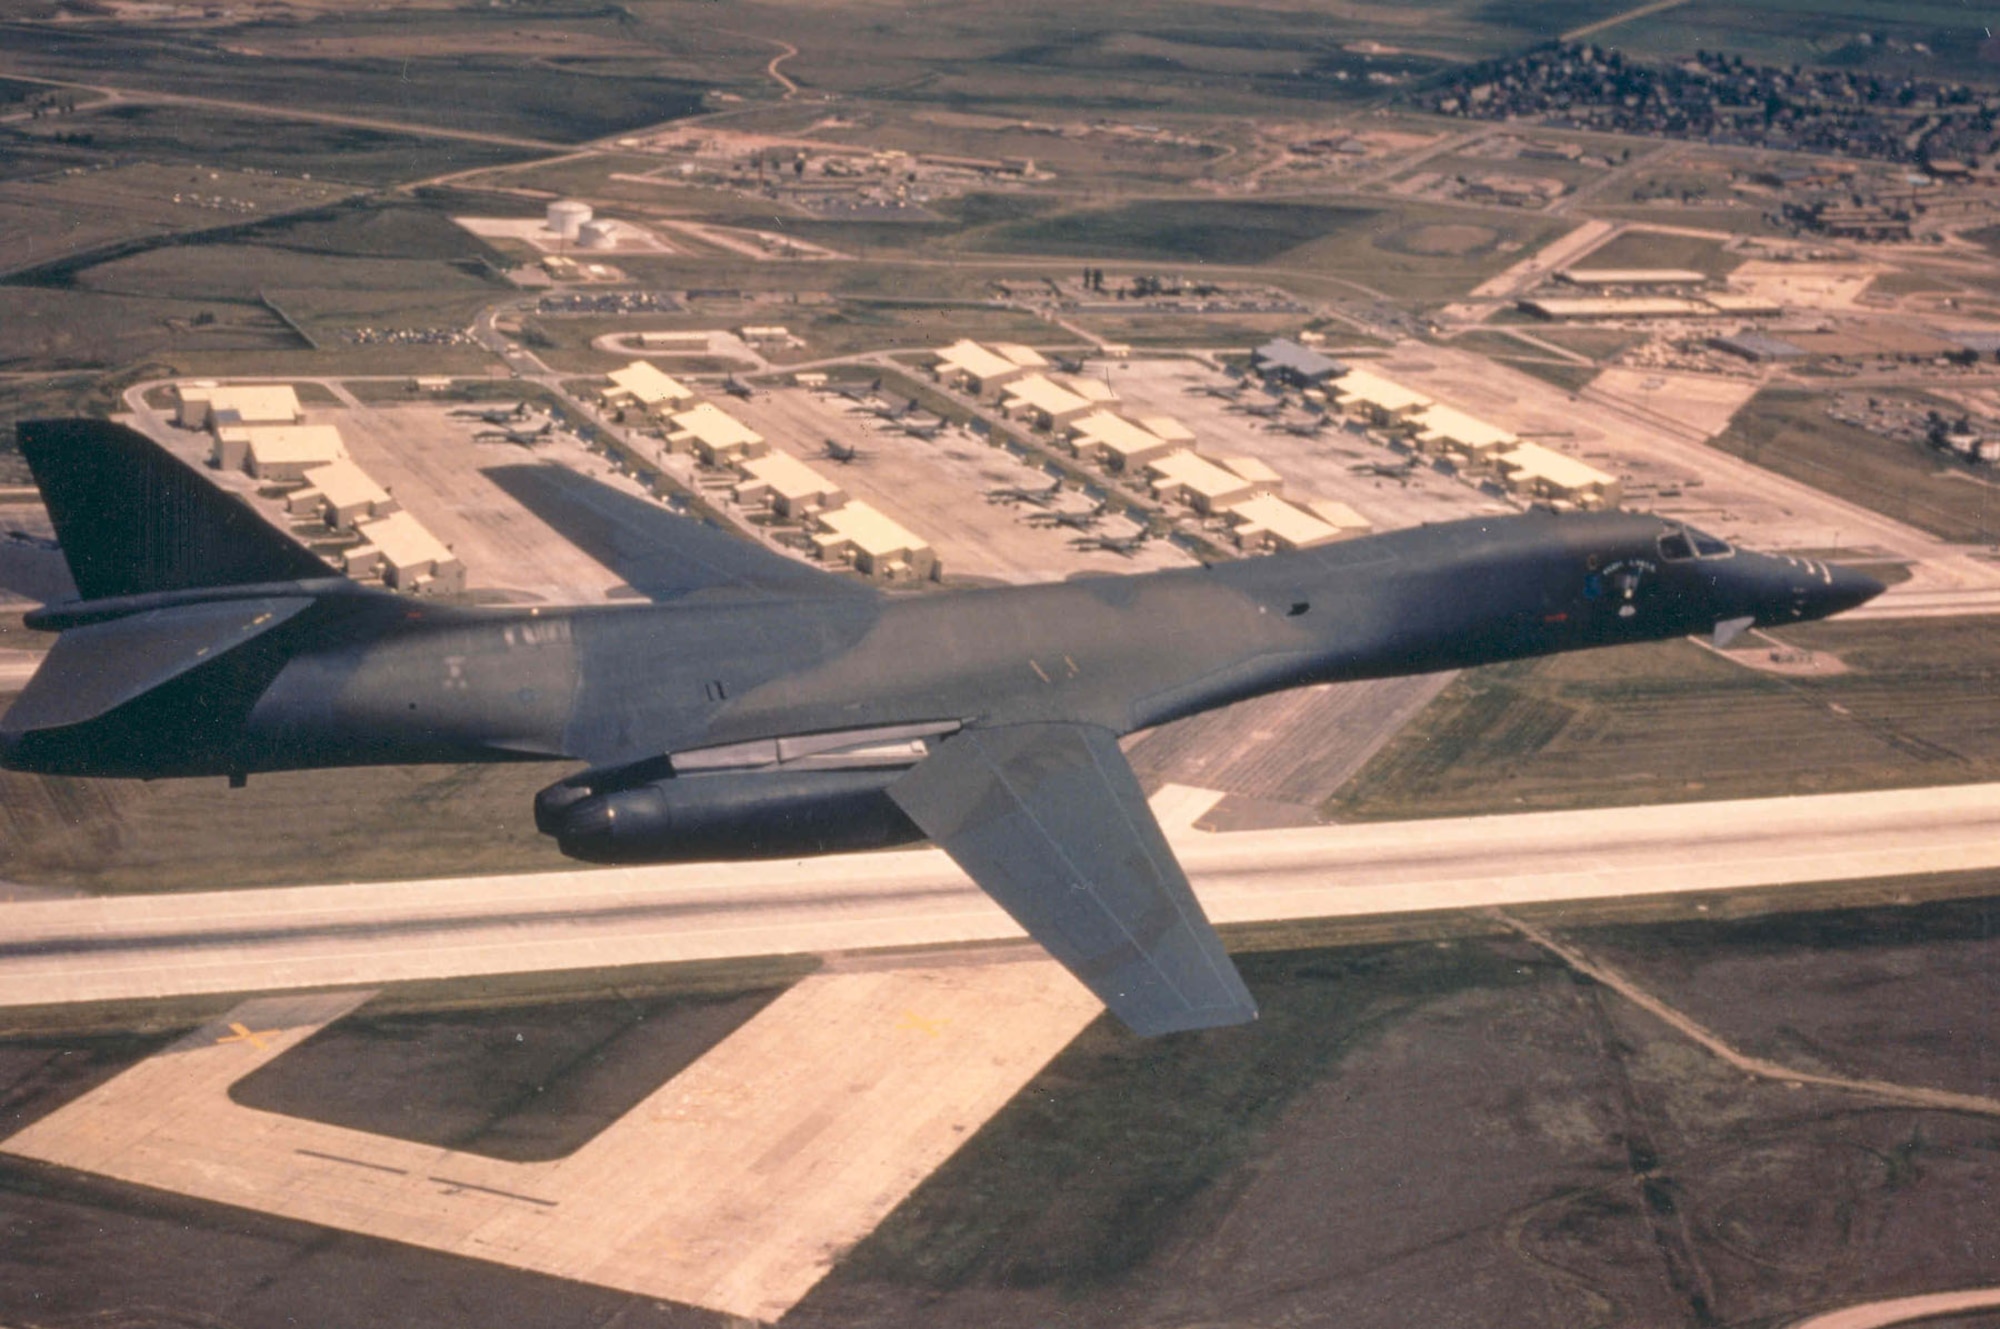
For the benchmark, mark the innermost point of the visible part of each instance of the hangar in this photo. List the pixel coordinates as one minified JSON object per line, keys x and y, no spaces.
{"x":1044,"y":402}
{"x":1205,"y":486}
{"x":1367,"y":396}
{"x":1534,"y":471}
{"x":1269,"y":522}
{"x":205,"y":404}
{"x":407,"y":557}
{"x":278,"y":453}
{"x":860,"y":535}
{"x":975,"y":368}
{"x":643,"y":385}
{"x":1447,"y":430}
{"x":788,"y":485}
{"x":1286,"y":361}
{"x":1116,"y":443}
{"x":343,"y":493}
{"x":715,"y":436}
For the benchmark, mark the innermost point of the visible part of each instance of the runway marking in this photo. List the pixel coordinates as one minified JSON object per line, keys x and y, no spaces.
{"x":240,"y":1033}
{"x":734,"y":1186}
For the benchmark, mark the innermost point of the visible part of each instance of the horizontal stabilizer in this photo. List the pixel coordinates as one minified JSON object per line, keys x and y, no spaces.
{"x":133,"y":519}
{"x":1051,"y":822}
{"x":96,"y":668}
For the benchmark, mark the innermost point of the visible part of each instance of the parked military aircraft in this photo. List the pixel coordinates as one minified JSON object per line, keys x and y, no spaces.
{"x":1041,"y":498}
{"x":498,"y":415}
{"x":1076,"y":521}
{"x":1308,"y":428}
{"x":844,"y":453}
{"x":1265,"y":411}
{"x":1399,"y":471}
{"x":763,"y":707}
{"x":527,"y":438}
{"x":1123,"y":545}
{"x":923,"y":429}
{"x":736,"y":387}
{"x":1229,"y":393}
{"x":859,"y":394}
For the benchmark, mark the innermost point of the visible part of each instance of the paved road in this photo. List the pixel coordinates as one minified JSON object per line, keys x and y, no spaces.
{"x":273,"y":940}
{"x":1906,"y":1310}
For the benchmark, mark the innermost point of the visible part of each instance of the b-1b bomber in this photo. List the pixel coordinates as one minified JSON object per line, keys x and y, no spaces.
{"x":763,"y":707}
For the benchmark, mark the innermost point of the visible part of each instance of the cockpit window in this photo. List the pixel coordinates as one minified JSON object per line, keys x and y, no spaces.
{"x":1710,"y":547}
{"x":1679,"y":546}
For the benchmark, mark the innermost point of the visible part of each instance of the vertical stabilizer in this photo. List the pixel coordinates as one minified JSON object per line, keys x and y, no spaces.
{"x":134,"y":519}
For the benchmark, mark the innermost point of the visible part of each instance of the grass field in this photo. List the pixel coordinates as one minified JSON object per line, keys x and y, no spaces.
{"x":118,"y":836}
{"x":426,"y":82}
{"x":1178,"y":232}
{"x":1789,"y":432}
{"x":1669,"y":722}
{"x":1654,"y":249}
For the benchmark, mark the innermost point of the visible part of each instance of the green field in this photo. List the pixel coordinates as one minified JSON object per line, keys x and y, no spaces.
{"x":1656,"y":249}
{"x":1790,"y":433}
{"x":1667,"y":722}
{"x":391,"y":823}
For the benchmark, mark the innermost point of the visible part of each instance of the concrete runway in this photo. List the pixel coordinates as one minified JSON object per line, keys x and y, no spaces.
{"x":60,"y":951}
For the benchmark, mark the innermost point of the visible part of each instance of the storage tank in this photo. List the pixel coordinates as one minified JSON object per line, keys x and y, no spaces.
{"x":567,"y":216}
{"x":597,"y":235}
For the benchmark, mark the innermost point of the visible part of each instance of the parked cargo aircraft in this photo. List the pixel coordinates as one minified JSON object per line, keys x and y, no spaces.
{"x":763,"y":707}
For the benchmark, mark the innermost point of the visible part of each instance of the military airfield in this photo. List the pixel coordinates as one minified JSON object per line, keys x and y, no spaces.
{"x":1646,"y":986}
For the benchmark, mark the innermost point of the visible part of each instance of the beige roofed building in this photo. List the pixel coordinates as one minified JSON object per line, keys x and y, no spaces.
{"x":1166,"y":427}
{"x":642,"y":384}
{"x":1534,"y":471}
{"x":1044,"y":402}
{"x":1116,"y":443}
{"x":967,"y":364}
{"x":204,"y":404}
{"x":348,"y":494}
{"x":1184,"y":477}
{"x":276,"y":453}
{"x":1025,"y":356}
{"x":408,"y":556}
{"x":1255,"y":471}
{"x":716,"y":437}
{"x":791,"y":487}
{"x":1339,"y":516}
{"x":1269,"y":522}
{"x":1368,"y":396}
{"x":858,"y":534}
{"x":1447,"y":429}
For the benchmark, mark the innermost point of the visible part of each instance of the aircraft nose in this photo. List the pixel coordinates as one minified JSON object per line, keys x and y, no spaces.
{"x":1848,"y":589}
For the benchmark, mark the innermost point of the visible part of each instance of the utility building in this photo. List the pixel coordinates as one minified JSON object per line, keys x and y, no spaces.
{"x":643,"y":385}
{"x":409,"y":558}
{"x":859,"y":535}
{"x":1533,"y":471}
{"x":788,"y":485}
{"x":716,"y":437}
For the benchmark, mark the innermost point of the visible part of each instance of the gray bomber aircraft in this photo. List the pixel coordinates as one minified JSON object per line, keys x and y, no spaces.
{"x":760,"y":707}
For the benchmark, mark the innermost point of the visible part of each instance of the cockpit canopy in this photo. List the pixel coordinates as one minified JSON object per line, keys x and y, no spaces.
{"x":1678,"y":546}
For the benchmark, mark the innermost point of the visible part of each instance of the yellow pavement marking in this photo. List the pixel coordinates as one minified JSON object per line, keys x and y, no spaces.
{"x":241,"y":1033}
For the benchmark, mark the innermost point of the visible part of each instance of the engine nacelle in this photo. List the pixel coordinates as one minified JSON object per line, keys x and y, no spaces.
{"x":761,"y":814}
